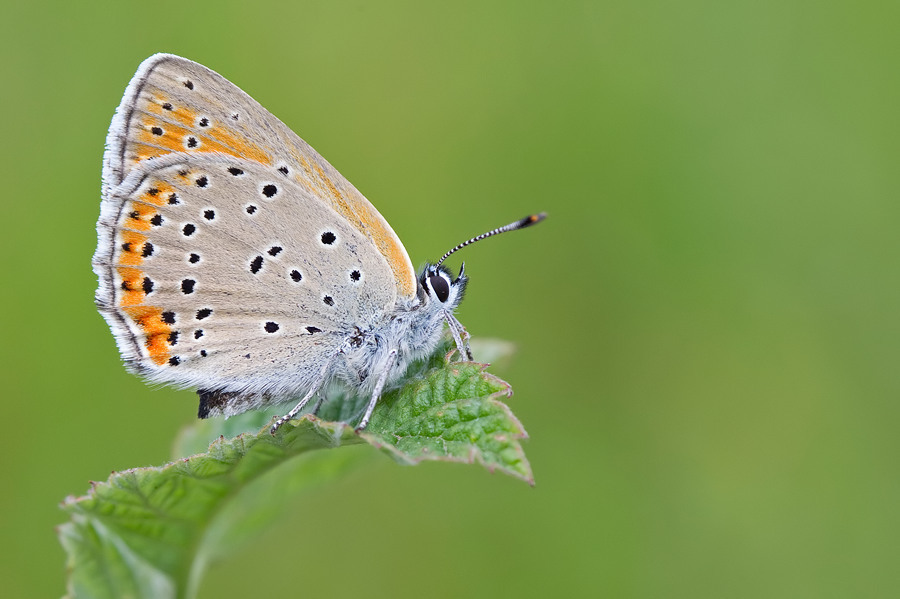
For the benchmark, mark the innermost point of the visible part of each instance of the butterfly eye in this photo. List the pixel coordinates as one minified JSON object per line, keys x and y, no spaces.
{"x":441,"y":287}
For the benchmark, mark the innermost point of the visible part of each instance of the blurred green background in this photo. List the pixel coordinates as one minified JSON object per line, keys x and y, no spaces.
{"x":707,"y":323}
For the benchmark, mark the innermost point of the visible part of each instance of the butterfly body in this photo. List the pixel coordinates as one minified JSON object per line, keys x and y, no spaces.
{"x":232,"y":258}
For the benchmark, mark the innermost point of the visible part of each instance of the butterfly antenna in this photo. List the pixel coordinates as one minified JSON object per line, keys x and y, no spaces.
{"x":519,"y":224}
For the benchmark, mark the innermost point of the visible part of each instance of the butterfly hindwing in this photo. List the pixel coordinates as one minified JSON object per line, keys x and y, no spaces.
{"x":210,"y":261}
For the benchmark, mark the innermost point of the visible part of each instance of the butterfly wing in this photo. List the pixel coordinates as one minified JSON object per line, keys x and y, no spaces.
{"x":208,"y":262}
{"x":176,"y":106}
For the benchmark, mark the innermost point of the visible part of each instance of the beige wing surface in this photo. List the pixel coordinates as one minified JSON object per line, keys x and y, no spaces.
{"x":221,"y":273}
{"x":174,"y":105}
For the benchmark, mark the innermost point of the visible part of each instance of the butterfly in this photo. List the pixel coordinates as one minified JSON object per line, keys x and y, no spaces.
{"x":232,"y":258}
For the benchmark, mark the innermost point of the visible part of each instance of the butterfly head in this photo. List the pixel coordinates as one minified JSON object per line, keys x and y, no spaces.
{"x":437,"y":284}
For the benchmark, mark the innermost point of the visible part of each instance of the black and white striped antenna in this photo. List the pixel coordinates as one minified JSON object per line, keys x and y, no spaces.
{"x":519,"y":224}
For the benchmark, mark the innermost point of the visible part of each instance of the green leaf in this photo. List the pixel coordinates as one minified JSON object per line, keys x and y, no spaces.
{"x":453,"y":414}
{"x":151,"y":532}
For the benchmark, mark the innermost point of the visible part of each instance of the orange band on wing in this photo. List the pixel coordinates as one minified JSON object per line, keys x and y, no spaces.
{"x":155,"y":137}
{"x":149,"y":319}
{"x":233,"y":144}
{"x":165,"y":109}
{"x":157,"y":193}
{"x":139,"y":216}
{"x":132,"y":248}
{"x":132,"y":282}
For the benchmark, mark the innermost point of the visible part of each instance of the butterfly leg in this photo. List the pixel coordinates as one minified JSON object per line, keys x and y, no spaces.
{"x":317,"y":384}
{"x":376,"y":393}
{"x":290,"y":415}
{"x":319,"y":401}
{"x":460,"y":335}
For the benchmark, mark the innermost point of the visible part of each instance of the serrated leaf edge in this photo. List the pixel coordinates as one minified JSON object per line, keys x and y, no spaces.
{"x":475,"y":455}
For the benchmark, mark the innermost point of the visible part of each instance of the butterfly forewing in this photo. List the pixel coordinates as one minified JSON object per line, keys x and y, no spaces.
{"x":175,"y":106}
